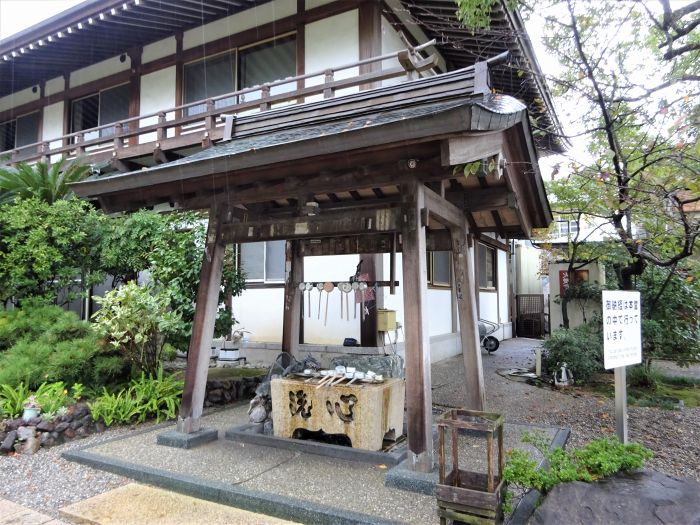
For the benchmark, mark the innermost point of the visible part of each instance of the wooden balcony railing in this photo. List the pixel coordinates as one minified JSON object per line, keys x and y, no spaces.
{"x":199,"y":122}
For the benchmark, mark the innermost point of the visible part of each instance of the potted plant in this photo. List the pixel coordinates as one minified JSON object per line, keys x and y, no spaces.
{"x":31,"y":407}
{"x":230,"y":350}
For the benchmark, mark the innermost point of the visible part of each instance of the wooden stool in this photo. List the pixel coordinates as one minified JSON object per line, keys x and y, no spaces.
{"x":462,"y":495}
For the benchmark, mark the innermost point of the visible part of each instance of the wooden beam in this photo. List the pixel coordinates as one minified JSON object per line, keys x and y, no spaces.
{"x":294,"y":274}
{"x":436,"y":241}
{"x":468,"y":319}
{"x":330,"y":183}
{"x":207,"y":304}
{"x":324,"y":225}
{"x":483,"y":199}
{"x":444,"y":211}
{"x":469,"y":148}
{"x":419,"y":408}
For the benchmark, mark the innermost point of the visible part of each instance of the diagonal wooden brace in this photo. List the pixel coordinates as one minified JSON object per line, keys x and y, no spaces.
{"x":207,"y":304}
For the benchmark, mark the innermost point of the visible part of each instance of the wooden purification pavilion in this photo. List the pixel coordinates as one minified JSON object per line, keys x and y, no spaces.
{"x":384,"y":168}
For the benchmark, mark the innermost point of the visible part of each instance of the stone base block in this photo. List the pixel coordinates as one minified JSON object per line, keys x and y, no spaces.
{"x":173,"y":438}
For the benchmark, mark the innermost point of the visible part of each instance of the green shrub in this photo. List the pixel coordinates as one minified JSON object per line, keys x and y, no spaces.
{"x":63,"y":349}
{"x":31,"y":322}
{"x":642,"y":376}
{"x":581,"y":348}
{"x":147,"y":396}
{"x":12,"y":399}
{"x":136,"y":320}
{"x":598,"y":459}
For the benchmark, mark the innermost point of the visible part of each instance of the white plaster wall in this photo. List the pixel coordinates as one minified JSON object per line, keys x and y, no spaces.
{"x":160,"y":49}
{"x":439,"y":311}
{"x":157,"y":93}
{"x":331,"y":42}
{"x":391,"y":41}
{"x":55,"y":85}
{"x":99,"y":70}
{"x":394,"y":302}
{"x":233,"y":24}
{"x":503,"y":292}
{"x":439,"y":302}
{"x":488,"y":306}
{"x":527,"y":260}
{"x":310,"y":4}
{"x":330,"y":268}
{"x":17,"y":99}
{"x":52,"y":126}
{"x":260,"y":312}
{"x":596,"y":274}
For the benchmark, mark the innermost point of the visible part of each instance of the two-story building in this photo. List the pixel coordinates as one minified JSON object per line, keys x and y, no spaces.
{"x":320,"y":134}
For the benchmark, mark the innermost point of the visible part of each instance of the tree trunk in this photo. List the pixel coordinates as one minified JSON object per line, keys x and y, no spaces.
{"x":565,"y":312}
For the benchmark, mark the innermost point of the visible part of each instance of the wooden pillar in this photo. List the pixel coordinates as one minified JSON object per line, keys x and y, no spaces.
{"x":135,"y":88}
{"x":370,"y":38}
{"x":468,"y":318}
{"x":294,"y":274}
{"x":419,"y":408}
{"x":372,"y":266}
{"x":207,"y":304}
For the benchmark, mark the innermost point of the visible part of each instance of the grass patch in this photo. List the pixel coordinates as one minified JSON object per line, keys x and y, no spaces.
{"x":667,"y":389}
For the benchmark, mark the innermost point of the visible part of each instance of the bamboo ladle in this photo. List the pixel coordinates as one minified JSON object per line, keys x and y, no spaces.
{"x":328,"y":287}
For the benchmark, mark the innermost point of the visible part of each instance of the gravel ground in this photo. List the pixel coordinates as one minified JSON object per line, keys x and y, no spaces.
{"x":46,"y":482}
{"x":673,"y":435}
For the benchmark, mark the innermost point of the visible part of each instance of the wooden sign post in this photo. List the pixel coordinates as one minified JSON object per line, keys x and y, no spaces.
{"x":622,"y":345}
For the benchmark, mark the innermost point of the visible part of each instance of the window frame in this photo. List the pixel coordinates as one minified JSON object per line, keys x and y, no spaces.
{"x":432,"y":282}
{"x":481,"y":268}
{"x":14,"y":121}
{"x":264,"y":280}
{"x":232,"y":53}
{"x":103,"y":133}
{"x":236,"y":52}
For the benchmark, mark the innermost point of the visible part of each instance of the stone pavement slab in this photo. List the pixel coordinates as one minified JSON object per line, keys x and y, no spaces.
{"x":13,"y":514}
{"x":135,"y":504}
{"x":291,"y":485}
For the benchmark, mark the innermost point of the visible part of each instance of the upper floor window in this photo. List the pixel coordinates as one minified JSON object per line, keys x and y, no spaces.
{"x":564,"y":228}
{"x":439,"y":271}
{"x":19,"y":132}
{"x":109,"y":105}
{"x":487,"y":266}
{"x":210,"y":77}
{"x":263,"y":261}
{"x":267,"y":62}
{"x":227,"y":72}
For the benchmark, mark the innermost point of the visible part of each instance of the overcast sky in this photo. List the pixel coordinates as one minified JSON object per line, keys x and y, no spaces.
{"x":16,"y":15}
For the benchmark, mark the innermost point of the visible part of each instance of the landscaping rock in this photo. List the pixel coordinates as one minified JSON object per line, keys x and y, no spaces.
{"x":81,"y":410}
{"x":24,"y":433}
{"x":627,"y":498}
{"x":69,"y":433}
{"x":8,"y":442}
{"x":62,"y":426}
{"x":46,"y":426}
{"x":76,"y":424}
{"x":14,"y":424}
{"x":31,"y":446}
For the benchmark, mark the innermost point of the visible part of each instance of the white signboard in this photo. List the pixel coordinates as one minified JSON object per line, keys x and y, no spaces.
{"x":622,"y":328}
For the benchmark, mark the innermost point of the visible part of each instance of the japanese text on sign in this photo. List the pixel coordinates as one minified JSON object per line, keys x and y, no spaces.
{"x":622,"y":328}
